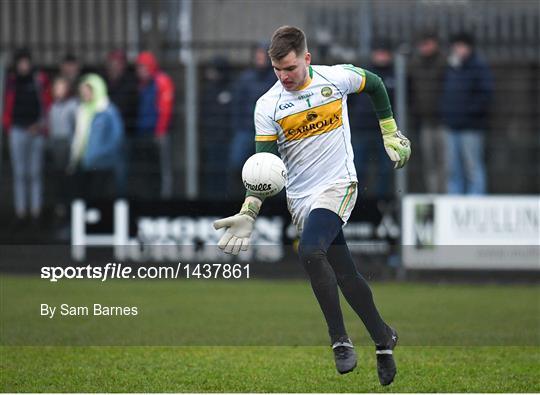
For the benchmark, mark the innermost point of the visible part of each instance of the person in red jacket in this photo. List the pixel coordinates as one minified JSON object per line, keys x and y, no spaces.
{"x":156,"y":98}
{"x":27,"y":100}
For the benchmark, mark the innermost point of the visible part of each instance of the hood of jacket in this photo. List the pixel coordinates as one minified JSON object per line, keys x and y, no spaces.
{"x":148,"y":59}
{"x":100,"y":98}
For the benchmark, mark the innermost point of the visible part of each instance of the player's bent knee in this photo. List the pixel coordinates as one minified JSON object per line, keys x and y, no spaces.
{"x":311,"y":253}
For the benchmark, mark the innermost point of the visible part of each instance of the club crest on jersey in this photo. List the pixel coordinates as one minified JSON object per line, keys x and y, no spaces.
{"x":311,"y":116}
{"x":326,"y":91}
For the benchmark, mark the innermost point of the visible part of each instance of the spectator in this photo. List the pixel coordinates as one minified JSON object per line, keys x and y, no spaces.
{"x":97,"y":148}
{"x":70,"y":69}
{"x":122,"y":88}
{"x":123,"y":92}
{"x":215,"y":126}
{"x":426,"y":77}
{"x":62,"y":118}
{"x":366,"y":139}
{"x":249,"y":86}
{"x":467,"y":91}
{"x":156,"y":99}
{"x":26,"y":104}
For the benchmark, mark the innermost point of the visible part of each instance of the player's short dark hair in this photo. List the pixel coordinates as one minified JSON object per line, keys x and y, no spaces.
{"x":287,"y":39}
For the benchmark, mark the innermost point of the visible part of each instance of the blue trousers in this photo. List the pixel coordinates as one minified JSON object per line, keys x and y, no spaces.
{"x":465,"y":153}
{"x":26,"y":150}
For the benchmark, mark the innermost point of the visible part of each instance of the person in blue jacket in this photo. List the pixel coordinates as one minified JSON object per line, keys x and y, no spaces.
{"x":98,"y":145}
{"x":465,"y":102}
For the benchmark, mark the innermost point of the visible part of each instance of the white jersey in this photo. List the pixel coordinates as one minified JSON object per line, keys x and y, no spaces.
{"x":311,"y":127}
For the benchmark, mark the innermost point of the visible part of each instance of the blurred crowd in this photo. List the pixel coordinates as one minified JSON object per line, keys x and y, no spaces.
{"x":449,"y":95}
{"x":96,"y":129}
{"x":89,"y":129}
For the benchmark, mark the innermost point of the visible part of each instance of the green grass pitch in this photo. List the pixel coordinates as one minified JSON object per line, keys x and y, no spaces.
{"x":190,"y":336}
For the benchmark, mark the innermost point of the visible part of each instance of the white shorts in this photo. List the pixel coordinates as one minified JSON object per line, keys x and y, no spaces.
{"x":338,"y":198}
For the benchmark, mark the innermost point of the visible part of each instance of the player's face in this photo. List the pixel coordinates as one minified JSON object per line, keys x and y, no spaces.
{"x":292,"y":70}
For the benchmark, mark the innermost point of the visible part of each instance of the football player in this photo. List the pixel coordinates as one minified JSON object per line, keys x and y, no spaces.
{"x":303,"y":118}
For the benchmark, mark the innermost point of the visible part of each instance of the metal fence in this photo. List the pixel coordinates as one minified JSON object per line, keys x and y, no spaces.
{"x":86,"y":28}
{"x":508,"y":34}
{"x":504,"y":29}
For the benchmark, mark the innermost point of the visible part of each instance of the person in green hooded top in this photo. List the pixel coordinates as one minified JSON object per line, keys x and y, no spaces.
{"x":97,"y":152}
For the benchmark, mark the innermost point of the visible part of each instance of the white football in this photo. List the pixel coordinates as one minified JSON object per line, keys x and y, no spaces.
{"x":264,"y":174}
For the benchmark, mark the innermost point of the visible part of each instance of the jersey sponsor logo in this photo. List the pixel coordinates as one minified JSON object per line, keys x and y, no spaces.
{"x":312,"y":122}
{"x":305,"y":96}
{"x":326,"y":91}
{"x":260,"y":187}
{"x":285,"y":106}
{"x":311,"y":116}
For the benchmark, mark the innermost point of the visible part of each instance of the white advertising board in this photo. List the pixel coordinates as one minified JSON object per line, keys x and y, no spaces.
{"x":477,"y":232}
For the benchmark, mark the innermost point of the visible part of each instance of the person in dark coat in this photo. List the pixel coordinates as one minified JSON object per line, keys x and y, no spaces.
{"x":249,"y":86}
{"x":215,"y":126}
{"x":26,"y":104}
{"x":465,"y":102}
{"x":365,"y":125}
{"x":122,"y":87}
{"x":426,"y":76}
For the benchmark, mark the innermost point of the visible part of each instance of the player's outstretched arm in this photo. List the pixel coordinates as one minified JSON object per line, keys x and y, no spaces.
{"x":397,"y":146}
{"x":238,"y":228}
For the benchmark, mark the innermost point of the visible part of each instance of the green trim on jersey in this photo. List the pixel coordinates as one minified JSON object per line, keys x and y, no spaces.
{"x":266,"y":146}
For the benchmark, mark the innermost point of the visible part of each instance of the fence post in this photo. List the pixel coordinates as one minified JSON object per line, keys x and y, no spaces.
{"x":3,"y":66}
{"x":132,"y":20}
{"x":366,"y":29}
{"x":400,"y":100}
{"x":187,"y":58}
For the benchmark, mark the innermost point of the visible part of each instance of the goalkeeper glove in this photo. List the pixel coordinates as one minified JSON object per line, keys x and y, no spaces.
{"x":238,"y":228}
{"x":397,"y":146}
